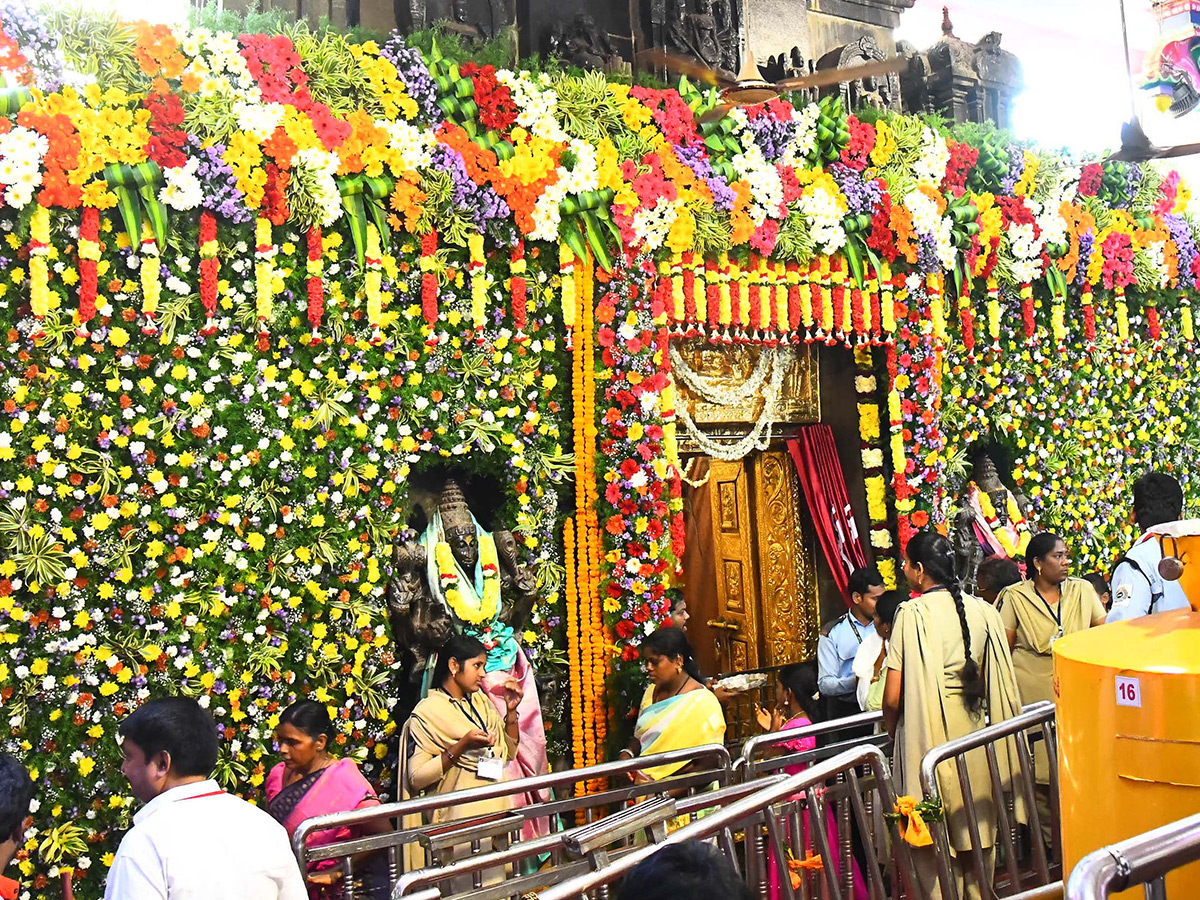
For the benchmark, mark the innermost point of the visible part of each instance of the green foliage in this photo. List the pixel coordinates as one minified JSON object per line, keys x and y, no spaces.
{"x":251,"y":20}
{"x":585,"y":106}
{"x":334,"y":75}
{"x":95,"y":43}
{"x":795,"y":243}
{"x":500,"y":51}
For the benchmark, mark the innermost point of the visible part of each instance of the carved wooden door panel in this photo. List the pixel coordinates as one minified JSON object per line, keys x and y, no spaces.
{"x":787,"y":582}
{"x":735,"y":626}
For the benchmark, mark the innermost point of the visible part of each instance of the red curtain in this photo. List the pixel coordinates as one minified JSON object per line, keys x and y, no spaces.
{"x":820,"y":471}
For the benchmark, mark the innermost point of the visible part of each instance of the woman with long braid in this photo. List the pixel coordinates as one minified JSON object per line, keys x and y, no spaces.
{"x":949,"y":674}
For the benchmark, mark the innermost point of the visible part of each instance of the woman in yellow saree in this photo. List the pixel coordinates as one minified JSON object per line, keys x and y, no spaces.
{"x":677,"y":710}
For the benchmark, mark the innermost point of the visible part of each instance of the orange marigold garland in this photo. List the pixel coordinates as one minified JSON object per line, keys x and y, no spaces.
{"x":89,"y":264}
{"x":210,"y":265}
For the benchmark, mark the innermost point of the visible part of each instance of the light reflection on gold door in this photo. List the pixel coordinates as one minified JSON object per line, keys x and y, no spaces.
{"x":750,"y":578}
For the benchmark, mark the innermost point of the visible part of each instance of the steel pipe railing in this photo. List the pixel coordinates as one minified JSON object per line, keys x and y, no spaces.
{"x":763,"y":809}
{"x":1146,"y":860}
{"x":706,"y":765}
{"x":1036,"y":717}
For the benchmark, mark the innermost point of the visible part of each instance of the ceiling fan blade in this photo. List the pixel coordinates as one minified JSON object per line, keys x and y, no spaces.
{"x":683,"y":65}
{"x":826,"y":77}
{"x":1178,"y":150}
{"x":1135,"y":146}
{"x":716,"y":113}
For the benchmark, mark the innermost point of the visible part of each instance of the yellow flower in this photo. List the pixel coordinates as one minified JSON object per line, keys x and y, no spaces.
{"x":118,"y":337}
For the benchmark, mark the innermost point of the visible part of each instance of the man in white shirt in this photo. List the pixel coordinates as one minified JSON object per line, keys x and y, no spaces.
{"x":1137,"y":588}
{"x":193,"y":841}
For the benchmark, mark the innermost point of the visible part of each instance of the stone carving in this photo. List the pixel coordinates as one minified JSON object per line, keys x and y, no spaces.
{"x":582,"y":43}
{"x":705,"y":30}
{"x":419,"y":624}
{"x":963,"y":81}
{"x":967,"y":550}
{"x":880,"y":91}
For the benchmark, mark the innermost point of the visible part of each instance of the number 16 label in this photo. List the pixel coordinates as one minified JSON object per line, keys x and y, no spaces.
{"x":1129,"y":691}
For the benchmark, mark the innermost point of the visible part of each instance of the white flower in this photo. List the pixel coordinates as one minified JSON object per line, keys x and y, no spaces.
{"x":182,"y":190}
{"x":537,"y":105}
{"x":824,"y":212}
{"x":931,"y":164}
{"x":928,"y":221}
{"x":805,"y":140}
{"x":766,"y":188}
{"x":415,"y":145}
{"x":21,"y":152}
{"x":258,"y":119}
{"x":652,"y":224}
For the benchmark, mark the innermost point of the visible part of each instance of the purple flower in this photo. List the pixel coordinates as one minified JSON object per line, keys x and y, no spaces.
{"x":696,"y":159}
{"x":772,"y":135}
{"x":411,"y":68}
{"x":862,"y":196}
{"x":221,"y":194}
{"x":1087,"y":242}
{"x":481,"y":203}
{"x":1185,"y":241}
{"x":37,"y":44}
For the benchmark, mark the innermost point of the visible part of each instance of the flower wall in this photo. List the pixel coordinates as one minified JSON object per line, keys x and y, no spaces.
{"x":254,"y":283}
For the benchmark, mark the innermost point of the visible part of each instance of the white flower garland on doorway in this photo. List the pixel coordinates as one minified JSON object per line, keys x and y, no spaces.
{"x":710,"y":389}
{"x":779,"y":361}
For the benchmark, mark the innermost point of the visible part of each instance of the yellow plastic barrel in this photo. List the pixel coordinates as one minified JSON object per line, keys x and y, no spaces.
{"x":1129,"y":730}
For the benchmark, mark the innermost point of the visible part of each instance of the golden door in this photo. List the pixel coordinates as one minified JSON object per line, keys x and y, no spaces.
{"x":749,"y":566}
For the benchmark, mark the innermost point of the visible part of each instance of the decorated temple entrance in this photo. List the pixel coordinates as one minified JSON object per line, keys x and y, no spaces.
{"x":750,"y":569}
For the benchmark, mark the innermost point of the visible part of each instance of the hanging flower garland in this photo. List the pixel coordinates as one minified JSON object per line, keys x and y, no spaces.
{"x":871,"y":449}
{"x":313,"y":268}
{"x":89,"y":262}
{"x":429,"y":282}
{"x":39,"y":267}
{"x":373,"y":285}
{"x":151,"y":278}
{"x":264,"y":276}
{"x":210,"y":267}
{"x":486,"y":607}
{"x":477,"y":270}
{"x":517,"y":287}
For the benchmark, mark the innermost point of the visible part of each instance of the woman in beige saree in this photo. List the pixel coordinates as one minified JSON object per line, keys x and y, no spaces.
{"x":456,"y":739}
{"x":949,"y":674}
{"x":1036,"y":613}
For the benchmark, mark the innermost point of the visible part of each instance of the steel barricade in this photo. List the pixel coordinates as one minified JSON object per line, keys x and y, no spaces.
{"x":1039,"y":718}
{"x":708,"y":765}
{"x":754,"y":762}
{"x":1142,"y":860}
{"x":765,"y":809}
{"x":571,"y":852}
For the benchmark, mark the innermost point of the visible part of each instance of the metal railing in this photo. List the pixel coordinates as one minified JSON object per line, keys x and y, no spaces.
{"x":706,"y":766}
{"x":773,"y":811}
{"x":756,"y":757}
{"x":1038,"y":718}
{"x":569,"y":853}
{"x":1143,"y":860}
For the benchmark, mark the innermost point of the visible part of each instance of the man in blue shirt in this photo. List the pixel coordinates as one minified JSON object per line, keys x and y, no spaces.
{"x":840,"y":640}
{"x":1137,"y":588}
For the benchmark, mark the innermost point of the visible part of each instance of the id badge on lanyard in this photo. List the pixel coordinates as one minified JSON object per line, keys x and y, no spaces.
{"x":490,"y":768}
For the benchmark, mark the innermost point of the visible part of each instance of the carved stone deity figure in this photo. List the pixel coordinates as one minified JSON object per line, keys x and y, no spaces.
{"x":999,"y":525}
{"x":418,"y":623}
{"x":476,"y":581}
{"x":582,"y":43}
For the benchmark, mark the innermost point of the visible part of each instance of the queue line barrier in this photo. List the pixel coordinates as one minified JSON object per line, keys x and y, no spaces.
{"x":1144,"y":860}
{"x":1036,"y":721}
{"x":574,"y":851}
{"x":774,"y":812}
{"x":412,"y":831}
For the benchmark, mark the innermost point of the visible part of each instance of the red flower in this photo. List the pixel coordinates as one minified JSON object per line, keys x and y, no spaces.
{"x":1089,"y":179}
{"x":856,"y":154}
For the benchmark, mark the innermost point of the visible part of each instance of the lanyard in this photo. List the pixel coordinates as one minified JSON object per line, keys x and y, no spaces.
{"x":473,"y":716}
{"x":1055,"y":611}
{"x":853,"y":627}
{"x":209,"y":794}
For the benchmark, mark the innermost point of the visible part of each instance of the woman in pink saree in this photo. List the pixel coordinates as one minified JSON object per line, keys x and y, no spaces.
{"x":797,"y":708}
{"x":309,"y":782}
